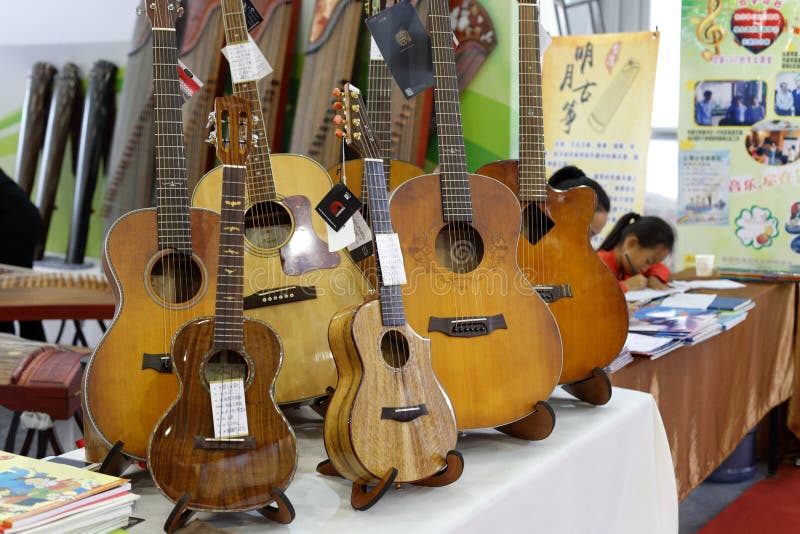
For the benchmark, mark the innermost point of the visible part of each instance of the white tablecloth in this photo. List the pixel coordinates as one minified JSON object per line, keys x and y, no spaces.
{"x":603,"y":470}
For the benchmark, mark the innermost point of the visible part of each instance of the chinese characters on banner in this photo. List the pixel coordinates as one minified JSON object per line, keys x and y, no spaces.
{"x":739,"y":133}
{"x":598,"y":98}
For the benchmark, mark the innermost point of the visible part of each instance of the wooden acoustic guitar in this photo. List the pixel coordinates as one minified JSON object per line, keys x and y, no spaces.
{"x":291,"y":278}
{"x":223,"y":445}
{"x":495,"y":345}
{"x":161,"y":262}
{"x":554,"y":250}
{"x":389,"y":419}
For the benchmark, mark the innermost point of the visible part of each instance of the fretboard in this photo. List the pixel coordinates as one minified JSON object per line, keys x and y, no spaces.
{"x":532,"y":172}
{"x":453,"y":177}
{"x":392,"y":310}
{"x":230,"y":275}
{"x":379,"y":106}
{"x":174,"y":226}
{"x":260,"y":181}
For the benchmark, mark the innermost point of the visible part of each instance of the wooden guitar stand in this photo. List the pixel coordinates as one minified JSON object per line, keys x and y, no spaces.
{"x":282,"y":512}
{"x":595,"y":389}
{"x":115,"y":461}
{"x":535,"y":426}
{"x":321,"y":405}
{"x":362,"y":498}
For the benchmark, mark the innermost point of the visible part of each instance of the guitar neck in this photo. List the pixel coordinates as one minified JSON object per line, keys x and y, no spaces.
{"x":174,"y":227}
{"x":453,"y":177}
{"x":260,"y":181}
{"x":392,"y":310}
{"x":230,"y":275}
{"x":532,"y":173}
{"x":379,"y":106}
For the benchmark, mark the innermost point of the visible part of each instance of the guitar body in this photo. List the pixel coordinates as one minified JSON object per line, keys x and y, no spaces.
{"x":219,"y":478}
{"x":124,"y":400}
{"x":495,"y":378}
{"x":594,"y":321}
{"x":361,"y":444}
{"x":300,"y":260}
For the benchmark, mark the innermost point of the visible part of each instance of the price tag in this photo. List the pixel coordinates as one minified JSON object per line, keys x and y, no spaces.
{"x":390,"y":256}
{"x":337,"y":240}
{"x":247,"y":63}
{"x":362,"y":246}
{"x":374,"y":51}
{"x":228,"y":408}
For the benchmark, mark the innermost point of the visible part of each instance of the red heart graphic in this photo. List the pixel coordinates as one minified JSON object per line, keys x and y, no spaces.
{"x":756,"y":30}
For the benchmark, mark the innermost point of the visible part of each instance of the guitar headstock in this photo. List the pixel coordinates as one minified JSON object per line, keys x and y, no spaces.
{"x":354,"y":126}
{"x":162,"y":13}
{"x":232,"y":133}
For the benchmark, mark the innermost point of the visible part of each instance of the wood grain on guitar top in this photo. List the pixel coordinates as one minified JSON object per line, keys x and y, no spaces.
{"x":363,"y":446}
{"x":127,"y":400}
{"x":594,"y":321}
{"x":308,"y":367}
{"x":223,"y":479}
{"x":491,"y":379}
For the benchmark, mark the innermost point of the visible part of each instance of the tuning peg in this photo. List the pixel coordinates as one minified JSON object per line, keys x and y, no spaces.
{"x":139,"y":11}
{"x":255,"y":119}
{"x":339,"y":133}
{"x":355,"y":108}
{"x":357,"y":136}
{"x":338,"y":105}
{"x":337,"y":92}
{"x":337,"y":120}
{"x":212,"y":118}
{"x":255,"y":139}
{"x":356,"y":122}
{"x":212,"y":137}
{"x":179,"y":11}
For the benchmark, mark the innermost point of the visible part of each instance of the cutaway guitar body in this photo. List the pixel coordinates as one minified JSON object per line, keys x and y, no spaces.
{"x":555,"y":254}
{"x":128,"y":380}
{"x":493,"y":364}
{"x":388,"y":402}
{"x":225,"y":474}
{"x":290,"y":277}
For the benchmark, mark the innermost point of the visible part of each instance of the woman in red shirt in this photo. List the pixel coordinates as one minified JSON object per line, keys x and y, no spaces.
{"x":635,"y":249}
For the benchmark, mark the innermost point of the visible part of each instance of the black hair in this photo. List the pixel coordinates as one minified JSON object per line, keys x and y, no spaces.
{"x":571,"y":176}
{"x":650,"y":231}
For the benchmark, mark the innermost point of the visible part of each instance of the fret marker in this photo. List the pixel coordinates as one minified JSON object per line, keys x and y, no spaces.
{"x":231,"y":228}
{"x":233,"y":203}
{"x":229,"y":271}
{"x":231,"y":252}
{"x":230,"y":298}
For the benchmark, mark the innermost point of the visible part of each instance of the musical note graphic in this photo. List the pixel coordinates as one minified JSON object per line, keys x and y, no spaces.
{"x":710,"y":33}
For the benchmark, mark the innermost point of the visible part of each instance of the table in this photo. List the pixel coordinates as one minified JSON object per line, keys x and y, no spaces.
{"x":711,"y":394}
{"x":603,"y":469}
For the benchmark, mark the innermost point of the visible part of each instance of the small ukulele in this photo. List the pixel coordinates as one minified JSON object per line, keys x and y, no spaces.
{"x":389,"y":419}
{"x":223,"y":445}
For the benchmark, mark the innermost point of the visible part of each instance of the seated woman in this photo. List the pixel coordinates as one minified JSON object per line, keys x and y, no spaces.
{"x":635,"y":249}
{"x":571,"y":176}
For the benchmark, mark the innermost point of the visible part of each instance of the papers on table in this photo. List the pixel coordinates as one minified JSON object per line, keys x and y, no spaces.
{"x":651,"y":346}
{"x":692,"y":301}
{"x":679,"y":286}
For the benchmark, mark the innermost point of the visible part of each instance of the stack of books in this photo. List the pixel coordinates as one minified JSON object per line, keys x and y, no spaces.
{"x":623,"y":358}
{"x":41,"y":496}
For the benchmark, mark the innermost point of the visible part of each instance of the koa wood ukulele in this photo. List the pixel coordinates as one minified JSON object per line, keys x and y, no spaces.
{"x":495,"y":346}
{"x":554,"y":250}
{"x":291,"y":278}
{"x":223,"y":445}
{"x":161,"y":262}
{"x":389,"y":421}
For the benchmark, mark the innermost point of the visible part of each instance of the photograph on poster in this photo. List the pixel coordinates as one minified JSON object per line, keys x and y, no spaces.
{"x":773,"y":142}
{"x":729,"y":102}
{"x":787,"y":94}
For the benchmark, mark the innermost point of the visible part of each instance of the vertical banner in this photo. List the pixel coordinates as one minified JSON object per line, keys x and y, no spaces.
{"x":598,"y":99}
{"x":739,"y":134}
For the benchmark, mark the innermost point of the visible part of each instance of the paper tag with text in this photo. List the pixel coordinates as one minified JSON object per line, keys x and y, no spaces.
{"x":247,"y":63}
{"x":362,"y":247}
{"x":228,"y":408}
{"x":337,"y":240}
{"x":393,"y":271}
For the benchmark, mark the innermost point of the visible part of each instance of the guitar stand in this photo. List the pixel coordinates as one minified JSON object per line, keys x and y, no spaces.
{"x":535,"y":426}
{"x":115,"y":461}
{"x":451,"y":472}
{"x":596,"y":389}
{"x":321,"y":405}
{"x":282,"y":512}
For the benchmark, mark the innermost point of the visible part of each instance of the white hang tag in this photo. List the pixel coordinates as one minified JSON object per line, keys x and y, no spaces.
{"x":247,"y":63}
{"x":374,"y":51}
{"x":228,"y":408}
{"x":363,"y":234}
{"x":338,"y":240}
{"x":390,"y":256}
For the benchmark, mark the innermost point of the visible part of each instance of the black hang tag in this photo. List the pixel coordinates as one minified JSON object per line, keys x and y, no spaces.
{"x":405,"y":46}
{"x":338,"y":206}
{"x":251,"y":15}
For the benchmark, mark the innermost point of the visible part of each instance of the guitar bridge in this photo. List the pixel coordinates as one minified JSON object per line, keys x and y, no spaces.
{"x":280,"y":295}
{"x":551,"y":294}
{"x":467,"y":326}
{"x":404,"y":414}
{"x":221,"y":444}
{"x":157,"y":362}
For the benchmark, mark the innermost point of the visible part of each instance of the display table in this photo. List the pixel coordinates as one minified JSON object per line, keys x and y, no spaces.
{"x":711,"y":394}
{"x":603,"y":469}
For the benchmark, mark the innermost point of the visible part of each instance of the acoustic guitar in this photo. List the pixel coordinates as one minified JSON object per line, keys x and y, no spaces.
{"x":554,"y":251}
{"x":291,"y":278}
{"x":495,"y":345}
{"x":223,"y":441}
{"x":389,"y":410}
{"x":161,"y":262}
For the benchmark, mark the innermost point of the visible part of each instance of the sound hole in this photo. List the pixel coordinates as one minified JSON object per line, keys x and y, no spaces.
{"x":176,"y":278}
{"x":459,"y":247}
{"x":394,"y":349}
{"x":535,"y":223}
{"x":267,"y":224}
{"x":226,"y":365}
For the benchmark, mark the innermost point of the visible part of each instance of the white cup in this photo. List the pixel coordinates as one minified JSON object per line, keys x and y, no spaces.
{"x":704,"y":264}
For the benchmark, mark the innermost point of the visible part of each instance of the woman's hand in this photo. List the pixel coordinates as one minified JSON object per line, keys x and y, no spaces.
{"x":656,"y":283}
{"x":635,"y":282}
